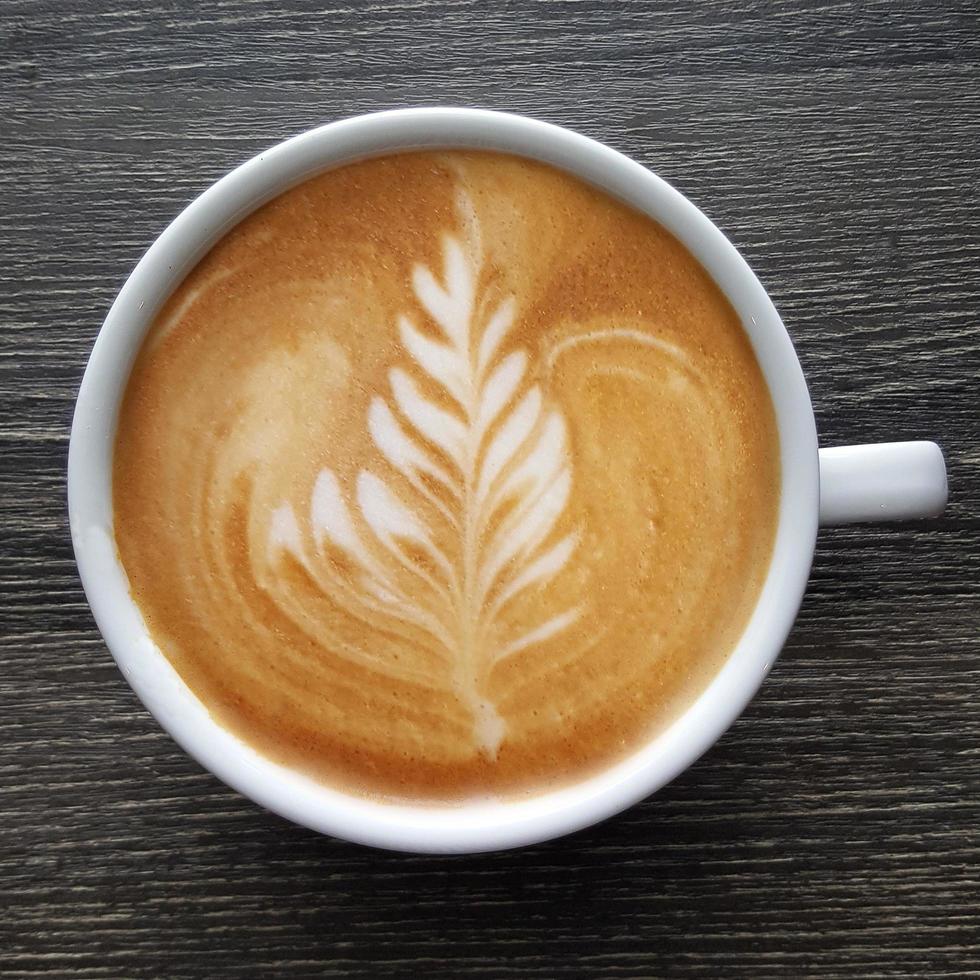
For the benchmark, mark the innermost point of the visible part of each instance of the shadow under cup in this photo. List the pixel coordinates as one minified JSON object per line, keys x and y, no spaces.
{"x":472,"y":826}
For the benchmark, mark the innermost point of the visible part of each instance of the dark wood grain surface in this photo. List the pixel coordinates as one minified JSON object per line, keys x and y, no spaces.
{"x":834,"y":831}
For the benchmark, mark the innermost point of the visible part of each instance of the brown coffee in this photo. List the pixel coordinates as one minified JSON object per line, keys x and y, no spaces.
{"x":446,"y":475}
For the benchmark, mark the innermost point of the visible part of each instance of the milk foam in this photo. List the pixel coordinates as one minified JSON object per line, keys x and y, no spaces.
{"x":457,"y":597}
{"x":446,"y":475}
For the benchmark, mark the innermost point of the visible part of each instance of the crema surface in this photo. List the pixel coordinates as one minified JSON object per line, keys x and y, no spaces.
{"x":446,"y":475}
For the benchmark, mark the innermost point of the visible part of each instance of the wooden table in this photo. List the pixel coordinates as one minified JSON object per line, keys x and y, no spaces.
{"x":834,"y":831}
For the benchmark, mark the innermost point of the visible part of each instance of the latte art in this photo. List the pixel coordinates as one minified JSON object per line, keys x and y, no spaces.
{"x":446,"y":474}
{"x":484,"y":477}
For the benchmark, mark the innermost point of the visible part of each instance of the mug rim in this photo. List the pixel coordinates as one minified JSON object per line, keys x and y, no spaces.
{"x":471,"y":826}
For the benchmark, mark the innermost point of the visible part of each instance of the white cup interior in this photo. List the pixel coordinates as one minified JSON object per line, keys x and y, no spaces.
{"x":474,"y":826}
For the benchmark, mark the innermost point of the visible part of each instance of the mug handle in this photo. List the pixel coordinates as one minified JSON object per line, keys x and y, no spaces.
{"x":888,"y":481}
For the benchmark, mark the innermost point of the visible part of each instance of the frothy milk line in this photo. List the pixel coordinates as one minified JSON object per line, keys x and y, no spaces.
{"x":622,"y":333}
{"x":683,"y":361}
{"x":166,"y":326}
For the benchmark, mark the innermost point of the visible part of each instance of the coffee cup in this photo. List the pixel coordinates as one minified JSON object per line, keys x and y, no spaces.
{"x":830,"y":486}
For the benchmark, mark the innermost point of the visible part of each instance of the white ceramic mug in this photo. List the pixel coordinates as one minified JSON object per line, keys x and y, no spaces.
{"x":881,"y":482}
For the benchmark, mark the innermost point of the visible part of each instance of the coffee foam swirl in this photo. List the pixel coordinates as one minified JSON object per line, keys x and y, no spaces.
{"x":449,"y":499}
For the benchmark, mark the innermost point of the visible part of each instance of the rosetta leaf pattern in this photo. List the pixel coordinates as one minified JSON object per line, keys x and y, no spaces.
{"x":462,"y":521}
